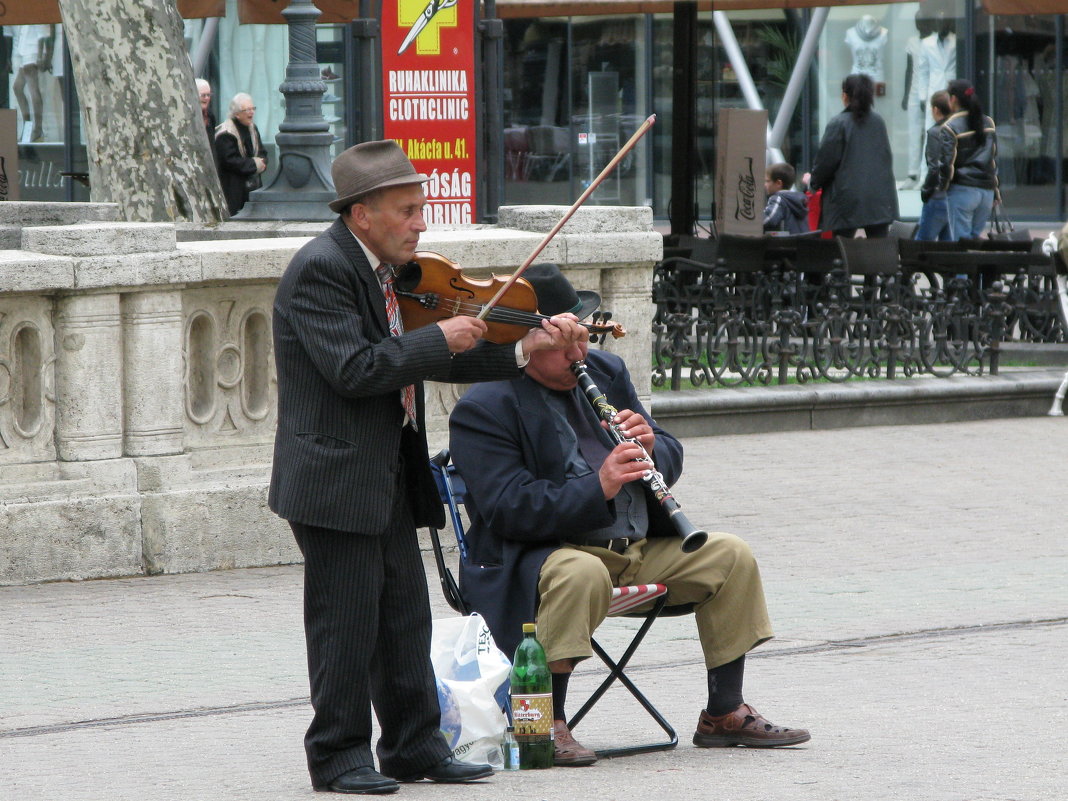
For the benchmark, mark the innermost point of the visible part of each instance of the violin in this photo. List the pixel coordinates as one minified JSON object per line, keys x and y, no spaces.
{"x":432,"y":287}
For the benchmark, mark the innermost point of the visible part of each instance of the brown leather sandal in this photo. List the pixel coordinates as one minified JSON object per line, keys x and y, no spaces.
{"x":744,"y":726}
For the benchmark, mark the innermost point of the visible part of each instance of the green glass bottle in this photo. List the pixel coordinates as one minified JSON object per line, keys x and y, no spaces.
{"x":531,"y":688}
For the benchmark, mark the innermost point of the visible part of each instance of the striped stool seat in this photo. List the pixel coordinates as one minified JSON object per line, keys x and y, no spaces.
{"x":626,"y":599}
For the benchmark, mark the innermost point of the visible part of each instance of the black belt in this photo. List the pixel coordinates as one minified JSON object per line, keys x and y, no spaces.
{"x":619,"y":544}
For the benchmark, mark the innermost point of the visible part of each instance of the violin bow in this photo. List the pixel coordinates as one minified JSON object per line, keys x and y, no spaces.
{"x":611,"y":165}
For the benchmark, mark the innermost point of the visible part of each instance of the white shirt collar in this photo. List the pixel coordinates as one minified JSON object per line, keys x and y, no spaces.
{"x":371,"y":257}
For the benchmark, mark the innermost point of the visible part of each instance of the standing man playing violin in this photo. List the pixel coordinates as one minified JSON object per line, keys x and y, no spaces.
{"x":351,"y":476}
{"x":560,"y":516}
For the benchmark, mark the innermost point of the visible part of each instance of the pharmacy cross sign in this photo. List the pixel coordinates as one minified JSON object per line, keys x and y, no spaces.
{"x":408,"y":13}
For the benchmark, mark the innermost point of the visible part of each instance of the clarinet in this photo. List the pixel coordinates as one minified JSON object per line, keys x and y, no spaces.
{"x":692,"y":537}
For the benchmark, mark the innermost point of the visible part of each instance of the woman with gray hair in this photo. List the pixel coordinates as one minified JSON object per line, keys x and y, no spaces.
{"x":241,"y":154}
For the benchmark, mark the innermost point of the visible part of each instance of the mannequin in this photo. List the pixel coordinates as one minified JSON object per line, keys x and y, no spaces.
{"x":938,"y":59}
{"x":866,"y":40}
{"x":914,"y":104}
{"x":31,"y":52}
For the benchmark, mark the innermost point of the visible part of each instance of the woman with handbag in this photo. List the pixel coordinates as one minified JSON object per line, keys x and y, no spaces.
{"x":968,"y":171}
{"x":242,"y":157}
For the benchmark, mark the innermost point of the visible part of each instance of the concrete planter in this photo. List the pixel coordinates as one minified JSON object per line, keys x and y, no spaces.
{"x":137,"y":386}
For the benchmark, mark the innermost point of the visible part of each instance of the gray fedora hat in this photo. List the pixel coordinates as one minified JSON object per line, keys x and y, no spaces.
{"x":555,"y":293}
{"x":369,"y":166}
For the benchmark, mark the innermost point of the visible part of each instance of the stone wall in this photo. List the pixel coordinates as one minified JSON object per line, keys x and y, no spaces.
{"x":137,"y":402}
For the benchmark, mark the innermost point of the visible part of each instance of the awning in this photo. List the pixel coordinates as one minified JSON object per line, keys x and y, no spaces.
{"x":269,"y":11}
{"x":582,"y":8}
{"x":46,"y":12}
{"x":1026,"y":6}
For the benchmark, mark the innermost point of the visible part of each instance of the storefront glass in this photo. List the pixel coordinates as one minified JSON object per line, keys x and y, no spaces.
{"x":34,"y":126}
{"x":574,"y":92}
{"x":576,"y":88}
{"x":537,"y":134}
{"x":769,"y":42}
{"x":910,"y":51}
{"x":1020,"y":83}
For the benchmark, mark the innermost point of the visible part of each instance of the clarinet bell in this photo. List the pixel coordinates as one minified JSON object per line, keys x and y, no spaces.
{"x":692,"y":537}
{"x":694,"y":540}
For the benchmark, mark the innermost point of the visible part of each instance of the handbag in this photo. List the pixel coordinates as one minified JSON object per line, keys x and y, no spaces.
{"x":472,"y":679}
{"x":1002,"y":229}
{"x":253,"y":182}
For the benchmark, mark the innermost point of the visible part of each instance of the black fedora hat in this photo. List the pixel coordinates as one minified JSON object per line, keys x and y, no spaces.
{"x":369,"y":166}
{"x":555,"y":293}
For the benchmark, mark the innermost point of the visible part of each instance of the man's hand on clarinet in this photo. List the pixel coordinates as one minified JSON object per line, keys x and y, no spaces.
{"x":633,"y":426}
{"x":556,"y":333}
{"x":620,"y":467}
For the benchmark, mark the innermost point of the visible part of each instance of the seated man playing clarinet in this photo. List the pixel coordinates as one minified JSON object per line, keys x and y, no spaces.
{"x":562,"y":510}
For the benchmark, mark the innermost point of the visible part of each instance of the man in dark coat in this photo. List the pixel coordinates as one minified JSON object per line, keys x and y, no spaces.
{"x":559,"y":516}
{"x":351,"y":474}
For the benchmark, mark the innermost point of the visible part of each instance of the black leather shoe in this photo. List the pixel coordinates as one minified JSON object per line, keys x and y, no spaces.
{"x":360,"y":780}
{"x":452,"y":772}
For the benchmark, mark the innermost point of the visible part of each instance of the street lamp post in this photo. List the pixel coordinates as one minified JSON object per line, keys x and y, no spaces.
{"x":303,"y":187}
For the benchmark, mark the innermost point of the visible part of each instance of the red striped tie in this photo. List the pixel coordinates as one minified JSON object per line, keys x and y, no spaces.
{"x":396,"y":327}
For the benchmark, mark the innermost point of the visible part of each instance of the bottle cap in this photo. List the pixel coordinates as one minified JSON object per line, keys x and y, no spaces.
{"x":528,"y":628}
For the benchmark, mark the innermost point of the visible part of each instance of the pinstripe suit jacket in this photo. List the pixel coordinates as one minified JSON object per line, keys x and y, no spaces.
{"x":339,"y":443}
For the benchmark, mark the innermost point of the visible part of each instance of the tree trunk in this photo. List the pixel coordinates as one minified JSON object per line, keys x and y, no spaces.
{"x":146,"y":144}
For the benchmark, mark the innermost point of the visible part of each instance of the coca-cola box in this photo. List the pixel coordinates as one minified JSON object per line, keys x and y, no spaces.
{"x":741,"y":138}
{"x":9,"y":155}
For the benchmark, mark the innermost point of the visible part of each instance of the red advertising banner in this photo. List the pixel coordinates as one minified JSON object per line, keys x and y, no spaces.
{"x":428,"y":98}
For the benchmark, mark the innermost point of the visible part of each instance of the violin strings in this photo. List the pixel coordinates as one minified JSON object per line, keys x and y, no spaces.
{"x":497,"y":314}
{"x":500,"y":314}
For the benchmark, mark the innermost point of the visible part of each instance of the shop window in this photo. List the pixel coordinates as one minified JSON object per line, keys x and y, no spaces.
{"x":35,"y":92}
{"x":1017,"y":71}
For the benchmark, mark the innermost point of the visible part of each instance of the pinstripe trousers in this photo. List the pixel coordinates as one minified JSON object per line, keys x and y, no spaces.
{"x":367,"y":624}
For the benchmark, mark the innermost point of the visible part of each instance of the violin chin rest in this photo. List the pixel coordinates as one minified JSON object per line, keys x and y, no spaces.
{"x":407,"y":276}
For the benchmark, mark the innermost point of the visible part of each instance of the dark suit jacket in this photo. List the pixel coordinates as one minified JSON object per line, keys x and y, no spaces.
{"x":504,"y":441}
{"x":339,"y":445}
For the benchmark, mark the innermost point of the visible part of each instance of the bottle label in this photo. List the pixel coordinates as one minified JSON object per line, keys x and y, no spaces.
{"x":532,"y":716}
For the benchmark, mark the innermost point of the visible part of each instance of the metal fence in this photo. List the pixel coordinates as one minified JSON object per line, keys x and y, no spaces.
{"x":763,"y":310}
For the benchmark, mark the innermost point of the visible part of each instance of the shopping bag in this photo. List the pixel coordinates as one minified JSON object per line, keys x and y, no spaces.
{"x":472,"y":678}
{"x":815,"y":206}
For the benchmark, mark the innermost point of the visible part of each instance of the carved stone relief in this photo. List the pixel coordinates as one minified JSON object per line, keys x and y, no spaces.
{"x":230,"y":391}
{"x":27,"y":381}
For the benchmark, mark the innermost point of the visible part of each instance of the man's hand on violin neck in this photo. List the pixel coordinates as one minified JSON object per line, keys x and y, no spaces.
{"x":462,"y":333}
{"x":556,"y":333}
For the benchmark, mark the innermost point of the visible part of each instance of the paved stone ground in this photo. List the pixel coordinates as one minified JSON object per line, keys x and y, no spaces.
{"x":917,"y":578}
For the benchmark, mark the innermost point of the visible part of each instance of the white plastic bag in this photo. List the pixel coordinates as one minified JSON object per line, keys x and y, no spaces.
{"x":472,"y":676}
